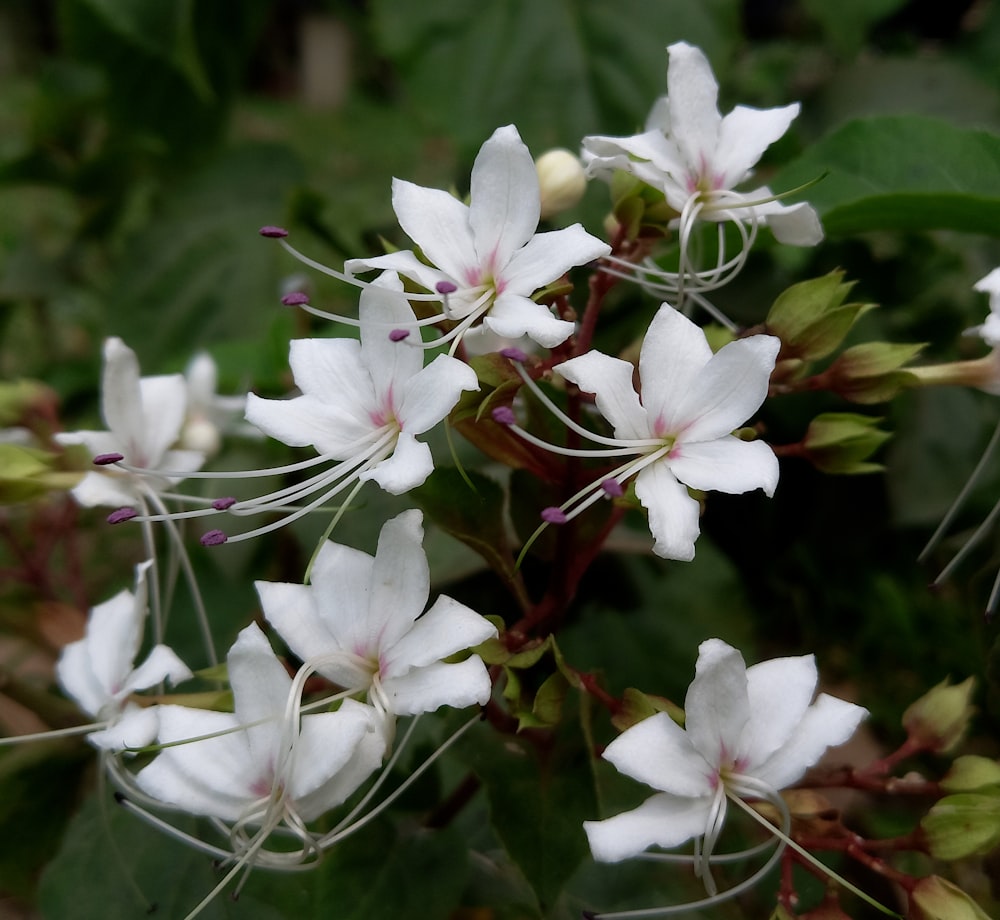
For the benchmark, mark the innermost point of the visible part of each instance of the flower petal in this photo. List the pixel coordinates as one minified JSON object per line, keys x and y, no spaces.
{"x":338,"y":431}
{"x":659,"y":753}
{"x":726,"y":464}
{"x":729,"y":389}
{"x":610,"y":380}
{"x":548,"y":256}
{"x":744,"y":134}
{"x":389,"y":365}
{"x":828,"y":722}
{"x":780,"y":691}
{"x":504,"y":199}
{"x":663,"y":819}
{"x":260,"y":691}
{"x":717,"y":706}
{"x":448,"y":627}
{"x":135,"y":728}
{"x":466,"y":683}
{"x":439,"y":224}
{"x":512,"y":316}
{"x":107,"y":490}
{"x":121,"y":400}
{"x":164,"y":406}
{"x":332,"y":371}
{"x":692,"y":96}
{"x":673,"y":513}
{"x":674,"y":353}
{"x":162,"y":663}
{"x":431,"y":393}
{"x":408,"y":467}
{"x":407,"y":265}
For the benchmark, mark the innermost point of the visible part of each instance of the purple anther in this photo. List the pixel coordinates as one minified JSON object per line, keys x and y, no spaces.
{"x":445,"y":287}
{"x":108,"y":459}
{"x":213,"y":538}
{"x":554,"y":515}
{"x":222,"y":504}
{"x":397,"y":335}
{"x":122,"y":514}
{"x":504,"y":415}
{"x":613,"y":488}
{"x":295,"y":299}
{"x":515,"y":354}
{"x":274,"y":233}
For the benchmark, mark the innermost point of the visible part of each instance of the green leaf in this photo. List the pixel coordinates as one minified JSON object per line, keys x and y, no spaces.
{"x":201,"y":272}
{"x":539,"y":798}
{"x":470,"y":67}
{"x":902,"y":173}
{"x":848,"y":22}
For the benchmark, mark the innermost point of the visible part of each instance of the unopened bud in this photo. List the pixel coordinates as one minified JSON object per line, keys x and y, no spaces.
{"x":937,"y":899}
{"x":561,"y":181}
{"x":202,"y":435}
{"x":970,"y":773}
{"x":940,"y":717}
{"x":842,"y":442}
{"x":873,"y":372}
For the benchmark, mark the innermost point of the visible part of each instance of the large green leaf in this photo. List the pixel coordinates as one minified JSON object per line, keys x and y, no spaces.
{"x":902,"y":173}
{"x":582,"y":66}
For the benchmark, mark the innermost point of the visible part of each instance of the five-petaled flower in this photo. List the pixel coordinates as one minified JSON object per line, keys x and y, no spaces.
{"x":697,"y":157}
{"x":359,"y":624}
{"x":487,"y":255}
{"x":144,"y":416}
{"x":748,"y":732}
{"x":681,"y":427}
{"x":262,"y":764}
{"x":98,"y":670}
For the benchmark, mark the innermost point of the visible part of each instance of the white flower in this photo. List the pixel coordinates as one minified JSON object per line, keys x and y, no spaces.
{"x":98,"y":671}
{"x":748,"y":733}
{"x":208,"y":413}
{"x":681,"y":428}
{"x":366,"y":402}
{"x":486,"y":256}
{"x":696,"y":157}
{"x":989,"y":331}
{"x":262,"y":767}
{"x":144,"y":416}
{"x":359,"y":624}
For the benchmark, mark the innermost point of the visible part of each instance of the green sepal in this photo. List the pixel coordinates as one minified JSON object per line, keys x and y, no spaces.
{"x":966,"y":824}
{"x":840,"y":443}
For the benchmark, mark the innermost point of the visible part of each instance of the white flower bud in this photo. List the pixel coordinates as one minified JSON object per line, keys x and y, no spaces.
{"x":561,"y":179}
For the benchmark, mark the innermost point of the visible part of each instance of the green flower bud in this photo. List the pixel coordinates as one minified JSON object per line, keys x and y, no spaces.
{"x":561,"y":181}
{"x":841,"y":442}
{"x":872,"y":372}
{"x":970,"y":773}
{"x":963,"y":825}
{"x":937,"y":899}
{"x":940,"y":717}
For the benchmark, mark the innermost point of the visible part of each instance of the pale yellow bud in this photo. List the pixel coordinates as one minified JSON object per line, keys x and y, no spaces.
{"x":937,"y":899}
{"x":940,"y":717}
{"x":561,"y":180}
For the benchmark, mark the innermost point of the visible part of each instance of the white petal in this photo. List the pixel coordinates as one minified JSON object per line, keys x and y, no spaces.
{"x":400,"y":580}
{"x":260,"y":691}
{"x":726,"y":464}
{"x":692,"y":95}
{"x":780,"y":691}
{"x":114,"y":632}
{"x":793,"y":225}
{"x":659,"y":753}
{"x":512,"y":316}
{"x":301,"y":421}
{"x":663,"y":819}
{"x":548,"y":256}
{"x":673,"y":513}
{"x":729,"y":389}
{"x":76,"y":676}
{"x":162,"y":663}
{"x":107,"y":490}
{"x":408,"y":467}
{"x":828,"y":722}
{"x":717,"y":707}
{"x":406,"y":264}
{"x":164,"y":405}
{"x":390,"y":365}
{"x":674,"y":353}
{"x":466,"y":683}
{"x":651,"y":146}
{"x":610,"y":380}
{"x":744,"y":135}
{"x":433,"y":392}
{"x":439,"y":224}
{"x":448,"y":627}
{"x":324,"y":757}
{"x":332,"y":371}
{"x":135,"y":728}
{"x":504,"y":198}
{"x":121,"y":402}
{"x":342,"y":592}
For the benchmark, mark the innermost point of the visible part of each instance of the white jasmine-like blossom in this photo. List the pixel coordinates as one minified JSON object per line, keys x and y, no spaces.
{"x":748,"y":733}
{"x":262,"y":765}
{"x":144,"y":416}
{"x":486,"y":258}
{"x":99,"y":673}
{"x":679,"y":432}
{"x":989,"y":331}
{"x":697,"y":157}
{"x":361,"y":623}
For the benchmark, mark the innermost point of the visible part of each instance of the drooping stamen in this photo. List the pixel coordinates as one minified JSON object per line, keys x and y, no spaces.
{"x":107,"y":459}
{"x":553,"y":515}
{"x":295,"y":299}
{"x":223,"y":504}
{"x":504,"y":415}
{"x":213,"y":538}
{"x":121,"y":515}
{"x":612,"y":488}
{"x":514,"y":354}
{"x":397,"y":335}
{"x":272,"y":232}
